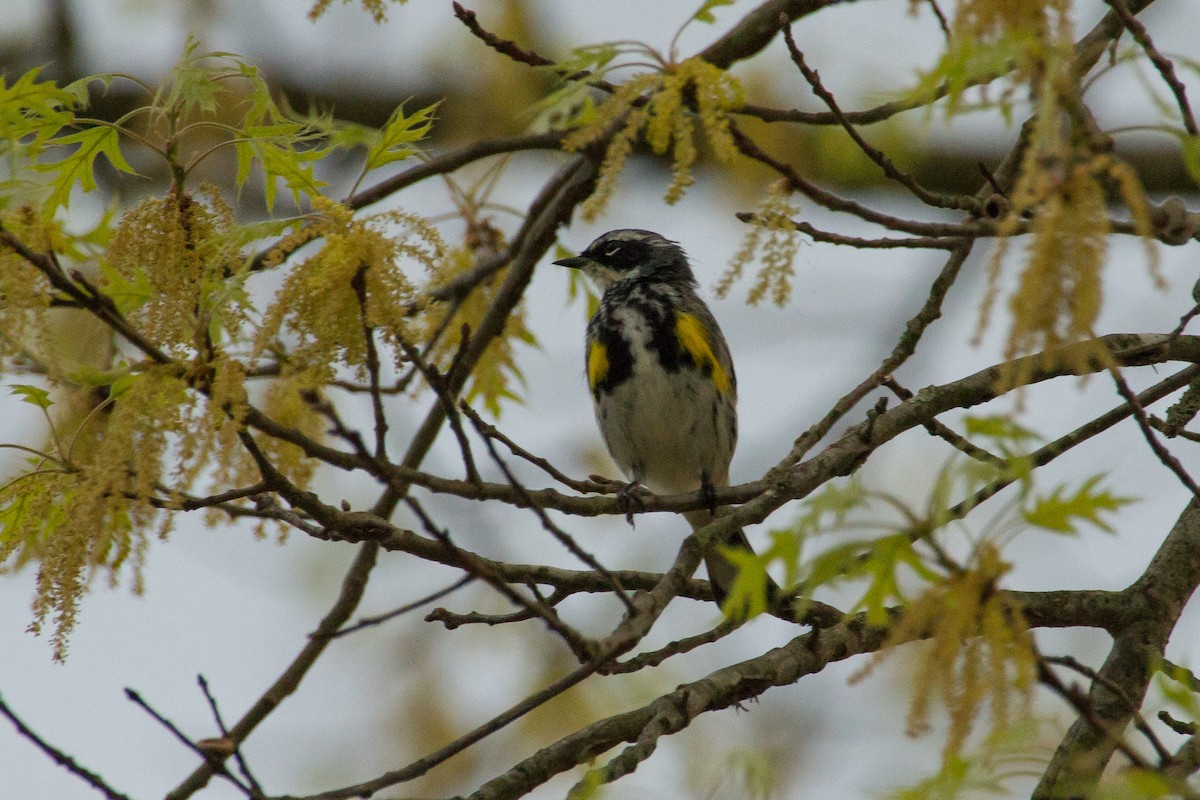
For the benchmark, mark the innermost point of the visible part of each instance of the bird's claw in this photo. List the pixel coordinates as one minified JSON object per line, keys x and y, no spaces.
{"x":708,"y":493}
{"x":631,"y":501}
{"x":628,"y":494}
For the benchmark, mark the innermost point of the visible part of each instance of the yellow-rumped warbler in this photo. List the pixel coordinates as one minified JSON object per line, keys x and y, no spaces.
{"x":661,"y":375}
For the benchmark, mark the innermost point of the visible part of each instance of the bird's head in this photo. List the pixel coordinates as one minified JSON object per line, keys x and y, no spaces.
{"x":629,"y":253}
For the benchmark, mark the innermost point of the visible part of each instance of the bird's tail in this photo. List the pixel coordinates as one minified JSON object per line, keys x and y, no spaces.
{"x":721,"y":571}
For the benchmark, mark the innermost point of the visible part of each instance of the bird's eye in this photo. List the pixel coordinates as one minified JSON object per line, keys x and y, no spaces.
{"x":612,"y":250}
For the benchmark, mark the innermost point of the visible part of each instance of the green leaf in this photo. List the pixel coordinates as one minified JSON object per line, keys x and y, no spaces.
{"x":705,"y":13}
{"x":128,"y":294}
{"x":34,"y":395}
{"x":829,"y":507}
{"x":122,"y":384}
{"x":747,"y":596}
{"x":882,"y":568}
{"x":30,"y":107}
{"x":96,"y":378}
{"x":999,"y":428}
{"x":398,"y":135}
{"x":79,"y":167}
{"x":1060,"y":512}
{"x":274,"y":146}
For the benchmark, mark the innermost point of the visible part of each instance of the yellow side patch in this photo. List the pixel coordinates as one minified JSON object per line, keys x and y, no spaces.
{"x":694,"y":339}
{"x":597,"y":364}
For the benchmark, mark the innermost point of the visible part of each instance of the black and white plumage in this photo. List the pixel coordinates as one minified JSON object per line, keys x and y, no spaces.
{"x":660,"y":373}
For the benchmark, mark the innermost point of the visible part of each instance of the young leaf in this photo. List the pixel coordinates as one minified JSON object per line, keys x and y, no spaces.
{"x":79,"y":167}
{"x":34,"y":108}
{"x":999,"y":428}
{"x":398,"y":135}
{"x":828,"y":507}
{"x":1060,"y":512}
{"x":747,"y":597}
{"x":128,"y":294}
{"x":34,"y":395}
{"x":705,"y":13}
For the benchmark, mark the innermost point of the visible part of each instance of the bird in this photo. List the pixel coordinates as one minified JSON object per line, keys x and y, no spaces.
{"x":661,"y":377}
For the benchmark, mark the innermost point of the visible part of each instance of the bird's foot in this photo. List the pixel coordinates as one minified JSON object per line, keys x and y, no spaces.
{"x":628,"y":494}
{"x":708,"y":493}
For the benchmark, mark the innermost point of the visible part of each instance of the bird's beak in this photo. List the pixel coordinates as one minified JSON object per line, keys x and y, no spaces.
{"x":578,"y":262}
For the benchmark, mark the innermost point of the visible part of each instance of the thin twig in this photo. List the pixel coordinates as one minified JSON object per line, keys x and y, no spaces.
{"x":905,"y":347}
{"x":453,"y":160}
{"x":1139,"y":722}
{"x":437,"y":382}
{"x":496,"y":723}
{"x":379,"y":619}
{"x":1185,"y":319}
{"x":943,"y":23}
{"x":492,"y":432}
{"x":685,"y":645}
{"x":1143,"y":421}
{"x":359,"y":284}
{"x":882,"y":243}
{"x":960,"y":202}
{"x":353,"y":585}
{"x":583,"y":648}
{"x":940,"y":430}
{"x":59,"y":757}
{"x":1083,"y":433}
{"x":749,"y":148}
{"x":255,"y":786}
{"x":187,"y":742}
{"x":565,"y":539}
{"x":1078,"y":701}
{"x":451,"y":620}
{"x":1163,"y":64}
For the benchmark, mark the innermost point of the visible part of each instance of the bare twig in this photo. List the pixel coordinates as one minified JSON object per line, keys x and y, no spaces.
{"x":59,"y":757}
{"x":452,"y":620}
{"x":882,"y":243}
{"x":1163,"y":64}
{"x":943,"y":432}
{"x":1083,"y":433}
{"x":515,"y":712}
{"x":492,"y":432}
{"x":960,"y":202}
{"x":379,"y":619}
{"x":685,"y":645}
{"x":1160,"y":450}
{"x":905,"y":346}
{"x":1079,"y":701}
{"x":187,"y":742}
{"x":565,"y":539}
{"x":1071,"y":663}
{"x":437,"y":382}
{"x":749,"y":148}
{"x":243,"y":767}
{"x":452,"y":161}
{"x":943,"y":23}
{"x":359,"y":284}
{"x":347,"y":600}
{"x":583,"y":648}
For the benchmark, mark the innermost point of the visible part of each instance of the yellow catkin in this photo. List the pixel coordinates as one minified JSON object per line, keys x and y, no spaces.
{"x":318,"y":302}
{"x":1061,"y":197}
{"x":771,"y":235}
{"x":182,"y":247}
{"x":653,"y":105}
{"x":978,"y":652}
{"x":24,"y":292}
